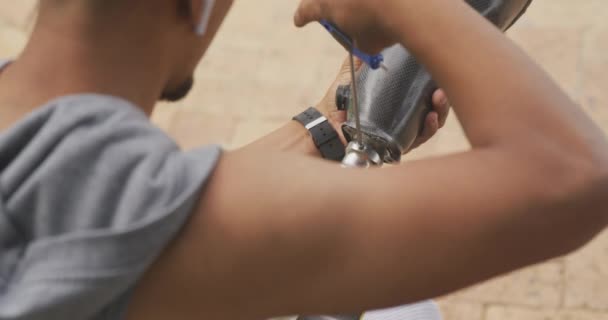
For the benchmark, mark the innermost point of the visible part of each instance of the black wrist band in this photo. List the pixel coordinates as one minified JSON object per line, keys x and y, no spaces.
{"x":326,"y":139}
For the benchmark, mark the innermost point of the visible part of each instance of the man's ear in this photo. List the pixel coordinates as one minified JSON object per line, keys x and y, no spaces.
{"x":200,"y":14}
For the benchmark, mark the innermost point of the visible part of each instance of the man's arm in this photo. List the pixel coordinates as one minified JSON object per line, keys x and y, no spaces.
{"x":293,"y":137}
{"x":276,"y":233}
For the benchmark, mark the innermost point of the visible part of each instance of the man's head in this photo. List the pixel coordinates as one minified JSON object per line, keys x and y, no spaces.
{"x":162,"y":35}
{"x":205,"y":16}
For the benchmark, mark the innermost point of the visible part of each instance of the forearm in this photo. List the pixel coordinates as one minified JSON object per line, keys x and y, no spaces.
{"x":291,"y":137}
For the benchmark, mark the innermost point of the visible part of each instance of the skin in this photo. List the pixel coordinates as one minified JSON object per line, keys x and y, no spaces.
{"x":307,"y":237}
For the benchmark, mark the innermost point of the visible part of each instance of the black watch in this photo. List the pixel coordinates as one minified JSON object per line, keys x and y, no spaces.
{"x":323,"y":134}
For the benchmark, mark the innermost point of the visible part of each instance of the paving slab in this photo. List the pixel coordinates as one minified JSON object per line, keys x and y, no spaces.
{"x":193,"y":128}
{"x":586,"y":276}
{"x":514,"y":313}
{"x":451,"y":310}
{"x":537,"y":286}
{"x":12,"y":40}
{"x":595,"y":75}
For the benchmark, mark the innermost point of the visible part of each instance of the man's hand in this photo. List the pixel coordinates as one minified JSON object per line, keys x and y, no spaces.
{"x":435,"y":120}
{"x":366,"y":20}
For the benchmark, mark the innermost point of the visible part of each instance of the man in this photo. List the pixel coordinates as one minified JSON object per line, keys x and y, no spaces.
{"x":102,"y":216}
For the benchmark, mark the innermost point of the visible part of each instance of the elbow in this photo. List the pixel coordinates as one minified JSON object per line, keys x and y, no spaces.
{"x":598,"y":190}
{"x":589,"y":203}
{"x":590,"y":187}
{"x":576,"y":190}
{"x":567,"y":186}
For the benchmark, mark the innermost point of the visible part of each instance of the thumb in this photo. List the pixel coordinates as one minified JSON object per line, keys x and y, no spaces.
{"x":308,"y":11}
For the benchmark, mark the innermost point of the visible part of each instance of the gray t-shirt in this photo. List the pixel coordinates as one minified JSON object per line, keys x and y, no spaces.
{"x":90,"y":194}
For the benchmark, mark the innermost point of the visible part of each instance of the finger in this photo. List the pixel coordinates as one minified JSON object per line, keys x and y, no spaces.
{"x":308,"y":11}
{"x":441,"y":105}
{"x":431,"y":126}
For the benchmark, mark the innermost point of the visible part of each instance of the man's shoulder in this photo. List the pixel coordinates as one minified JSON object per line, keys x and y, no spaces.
{"x":84,"y":119}
{"x":95,"y":192}
{"x":87,"y":107}
{"x":89,"y":151}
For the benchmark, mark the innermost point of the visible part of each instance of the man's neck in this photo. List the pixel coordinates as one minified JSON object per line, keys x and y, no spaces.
{"x":58,"y":62}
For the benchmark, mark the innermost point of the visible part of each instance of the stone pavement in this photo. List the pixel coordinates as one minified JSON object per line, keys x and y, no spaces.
{"x":261,"y":71}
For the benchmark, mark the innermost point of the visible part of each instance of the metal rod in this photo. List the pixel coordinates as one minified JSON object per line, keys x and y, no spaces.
{"x":355,"y":102}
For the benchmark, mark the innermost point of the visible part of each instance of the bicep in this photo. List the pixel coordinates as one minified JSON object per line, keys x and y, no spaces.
{"x":278,"y":233}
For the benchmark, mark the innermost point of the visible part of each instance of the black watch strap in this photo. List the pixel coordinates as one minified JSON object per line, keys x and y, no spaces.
{"x":323,"y":134}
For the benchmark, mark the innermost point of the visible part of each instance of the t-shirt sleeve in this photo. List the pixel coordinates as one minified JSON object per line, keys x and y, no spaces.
{"x":94,"y":201}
